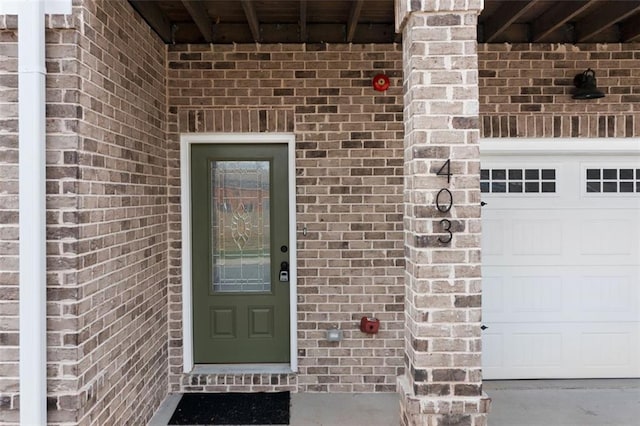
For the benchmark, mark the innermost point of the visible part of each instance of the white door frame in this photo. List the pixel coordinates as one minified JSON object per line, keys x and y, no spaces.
{"x":186,"y":140}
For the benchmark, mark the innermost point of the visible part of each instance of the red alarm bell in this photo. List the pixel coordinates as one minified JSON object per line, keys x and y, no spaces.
{"x":381,"y":82}
{"x":369,"y":325}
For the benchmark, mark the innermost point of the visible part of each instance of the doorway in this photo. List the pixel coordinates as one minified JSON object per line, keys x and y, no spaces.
{"x":241,"y":247}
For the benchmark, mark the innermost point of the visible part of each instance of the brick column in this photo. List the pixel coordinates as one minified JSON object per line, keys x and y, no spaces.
{"x":443,"y":380}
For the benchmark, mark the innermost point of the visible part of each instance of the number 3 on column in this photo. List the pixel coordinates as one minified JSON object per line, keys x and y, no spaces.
{"x":446,"y":225}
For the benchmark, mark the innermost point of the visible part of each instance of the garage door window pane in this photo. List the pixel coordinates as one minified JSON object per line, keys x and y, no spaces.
{"x":498,"y":174}
{"x":548,"y":174}
{"x":498,"y":187}
{"x":515,"y":186}
{"x":612,"y":181}
{"x":531,"y":174}
{"x":532,"y":187}
{"x":593,"y":186}
{"x":518,"y":181}
{"x":626,"y":186}
{"x":593,"y":173}
{"x":515,"y":174}
{"x":548,"y":187}
{"x":626,"y":174}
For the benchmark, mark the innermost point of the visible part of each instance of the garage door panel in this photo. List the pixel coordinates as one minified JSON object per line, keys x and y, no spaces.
{"x":492,"y":349}
{"x":492,"y":295}
{"x":549,"y":238}
{"x":537,"y":351}
{"x":544,"y":294}
{"x":535,"y":348}
{"x":600,"y":237}
{"x":613,"y":297}
{"x":607,"y":348}
{"x":542,"y":237}
{"x":526,"y":295}
{"x":493,"y":246}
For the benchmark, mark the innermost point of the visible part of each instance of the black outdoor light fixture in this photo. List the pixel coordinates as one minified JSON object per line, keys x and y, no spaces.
{"x":586,"y":86}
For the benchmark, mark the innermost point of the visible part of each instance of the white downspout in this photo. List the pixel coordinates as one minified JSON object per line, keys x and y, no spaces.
{"x":32,"y":196}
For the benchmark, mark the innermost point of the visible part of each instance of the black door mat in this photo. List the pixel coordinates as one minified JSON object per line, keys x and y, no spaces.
{"x":232,"y":409}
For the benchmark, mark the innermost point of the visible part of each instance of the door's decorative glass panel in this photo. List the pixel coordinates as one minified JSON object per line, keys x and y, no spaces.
{"x":240,"y":226}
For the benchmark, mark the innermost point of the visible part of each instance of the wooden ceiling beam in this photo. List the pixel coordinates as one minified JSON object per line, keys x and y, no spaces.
{"x":502,"y":18}
{"x":557,"y":16}
{"x":252,"y":19}
{"x":200,"y":16}
{"x":155,"y":18}
{"x":603,"y":17}
{"x":354,"y":17}
{"x":303,"y":21}
{"x":630,"y":29}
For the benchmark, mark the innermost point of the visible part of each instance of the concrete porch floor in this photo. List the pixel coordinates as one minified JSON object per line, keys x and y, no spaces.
{"x":514,"y":403}
{"x":614,"y":402}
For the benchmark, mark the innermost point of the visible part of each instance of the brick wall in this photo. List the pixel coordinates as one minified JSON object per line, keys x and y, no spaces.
{"x":62,"y":86}
{"x":349,"y":163}
{"x":525,"y":90}
{"x":106,"y":218}
{"x":122,"y":217}
{"x":9,"y":345}
{"x":443,"y":380}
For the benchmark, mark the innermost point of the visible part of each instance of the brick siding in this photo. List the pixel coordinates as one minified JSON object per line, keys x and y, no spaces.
{"x":9,"y":337}
{"x":349,"y":195}
{"x":106,"y":218}
{"x":443,"y":380}
{"x":525,"y":90}
{"x":122,"y":222}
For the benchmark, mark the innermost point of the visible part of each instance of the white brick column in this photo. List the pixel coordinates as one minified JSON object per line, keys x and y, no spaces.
{"x":443,"y":380}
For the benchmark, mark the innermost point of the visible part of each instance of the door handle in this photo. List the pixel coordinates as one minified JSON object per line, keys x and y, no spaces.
{"x":284,"y":272}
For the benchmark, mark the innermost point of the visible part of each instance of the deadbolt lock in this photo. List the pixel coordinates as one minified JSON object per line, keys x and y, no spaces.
{"x":284,"y":272}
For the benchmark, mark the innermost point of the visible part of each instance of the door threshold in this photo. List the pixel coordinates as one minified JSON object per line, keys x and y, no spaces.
{"x":242,"y":369}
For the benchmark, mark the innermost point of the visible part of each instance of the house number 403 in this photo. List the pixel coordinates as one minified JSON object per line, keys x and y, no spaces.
{"x":444,"y":202}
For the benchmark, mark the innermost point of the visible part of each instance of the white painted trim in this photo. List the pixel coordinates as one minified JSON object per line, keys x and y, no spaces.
{"x":559,"y":146}
{"x":32,"y":213}
{"x":51,"y":7}
{"x":186,"y":140}
{"x":187,"y":297}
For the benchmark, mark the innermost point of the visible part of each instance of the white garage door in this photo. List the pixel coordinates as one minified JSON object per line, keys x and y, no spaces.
{"x":561,"y":265}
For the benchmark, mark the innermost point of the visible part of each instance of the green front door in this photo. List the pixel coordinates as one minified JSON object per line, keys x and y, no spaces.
{"x":240,"y":253}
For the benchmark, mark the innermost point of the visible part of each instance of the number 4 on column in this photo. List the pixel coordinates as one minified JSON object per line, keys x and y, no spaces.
{"x":441,"y":172}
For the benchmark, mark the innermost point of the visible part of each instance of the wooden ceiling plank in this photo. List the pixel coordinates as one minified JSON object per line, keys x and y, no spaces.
{"x":506,"y":15}
{"x":557,"y":16}
{"x":303,"y":21}
{"x":630,"y":29}
{"x":252,"y":19}
{"x":604,"y":17}
{"x":354,"y":17}
{"x":200,"y":16}
{"x":155,"y":18}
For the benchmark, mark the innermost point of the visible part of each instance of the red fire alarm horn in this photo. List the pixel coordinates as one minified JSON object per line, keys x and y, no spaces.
{"x":369,"y":325}
{"x":381,"y":82}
